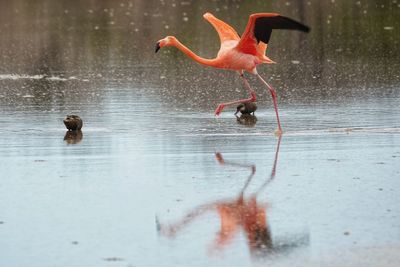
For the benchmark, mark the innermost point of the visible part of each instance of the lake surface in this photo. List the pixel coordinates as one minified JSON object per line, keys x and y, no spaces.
{"x":154,"y":179}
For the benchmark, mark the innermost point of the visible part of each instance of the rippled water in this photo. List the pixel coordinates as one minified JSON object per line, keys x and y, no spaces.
{"x":154,"y":179}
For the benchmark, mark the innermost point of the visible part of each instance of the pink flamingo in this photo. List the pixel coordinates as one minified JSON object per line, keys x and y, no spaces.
{"x":242,"y":53}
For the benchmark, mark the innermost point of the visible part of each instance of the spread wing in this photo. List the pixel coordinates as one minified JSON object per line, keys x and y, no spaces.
{"x":225,"y":32}
{"x":259,"y":29}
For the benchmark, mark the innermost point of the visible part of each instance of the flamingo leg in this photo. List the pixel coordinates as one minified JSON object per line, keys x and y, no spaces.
{"x":252,"y":97}
{"x":273,"y":94}
{"x":273,"y":171}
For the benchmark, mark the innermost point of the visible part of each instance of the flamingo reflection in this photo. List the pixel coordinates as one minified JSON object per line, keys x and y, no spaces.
{"x":239,"y":214}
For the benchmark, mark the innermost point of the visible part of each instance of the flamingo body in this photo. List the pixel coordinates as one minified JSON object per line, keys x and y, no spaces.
{"x":241,"y":53}
{"x":232,"y":59}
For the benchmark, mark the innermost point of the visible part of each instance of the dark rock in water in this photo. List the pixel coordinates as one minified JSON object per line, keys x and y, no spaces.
{"x":247,"y":120}
{"x":246,"y":108}
{"x":73,"y":122}
{"x":73,"y":137}
{"x":113,"y":259}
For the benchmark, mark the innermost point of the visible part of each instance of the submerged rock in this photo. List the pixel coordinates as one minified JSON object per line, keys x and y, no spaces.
{"x":73,"y":137}
{"x":73,"y":122}
{"x":247,"y":120}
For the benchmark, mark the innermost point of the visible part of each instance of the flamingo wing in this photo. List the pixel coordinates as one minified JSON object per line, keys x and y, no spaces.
{"x":259,"y":29}
{"x":225,"y":31}
{"x":261,"y":48}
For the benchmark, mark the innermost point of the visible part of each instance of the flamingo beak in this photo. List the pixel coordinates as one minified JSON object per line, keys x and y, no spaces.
{"x":158,"y":47}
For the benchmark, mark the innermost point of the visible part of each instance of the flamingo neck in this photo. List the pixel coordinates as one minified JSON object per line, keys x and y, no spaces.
{"x":192,"y":55}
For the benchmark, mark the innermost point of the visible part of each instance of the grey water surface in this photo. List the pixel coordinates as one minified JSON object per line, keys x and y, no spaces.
{"x":154,"y":179}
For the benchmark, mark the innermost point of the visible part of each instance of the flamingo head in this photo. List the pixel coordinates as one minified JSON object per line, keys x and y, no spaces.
{"x":167,"y":41}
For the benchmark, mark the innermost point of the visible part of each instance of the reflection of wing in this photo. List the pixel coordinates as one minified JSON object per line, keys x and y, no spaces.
{"x":225,"y":32}
{"x":286,"y":245}
{"x":158,"y":225}
{"x":172,"y":229}
{"x":259,"y":28}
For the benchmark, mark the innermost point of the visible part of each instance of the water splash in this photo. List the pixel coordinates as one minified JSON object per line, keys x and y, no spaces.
{"x":38,"y":77}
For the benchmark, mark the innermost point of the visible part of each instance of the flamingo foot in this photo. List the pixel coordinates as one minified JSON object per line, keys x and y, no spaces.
{"x":219,"y":109}
{"x":278,"y":132}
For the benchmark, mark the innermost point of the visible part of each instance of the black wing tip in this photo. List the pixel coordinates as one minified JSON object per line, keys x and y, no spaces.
{"x":306,"y":29}
{"x":264,"y":26}
{"x":299,"y":26}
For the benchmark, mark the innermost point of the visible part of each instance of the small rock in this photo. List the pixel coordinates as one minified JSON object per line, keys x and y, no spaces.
{"x":73,"y":137}
{"x":247,"y":120}
{"x":113,"y":259}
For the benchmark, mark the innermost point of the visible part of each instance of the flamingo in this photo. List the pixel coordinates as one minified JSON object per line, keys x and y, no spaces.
{"x":242,"y":53}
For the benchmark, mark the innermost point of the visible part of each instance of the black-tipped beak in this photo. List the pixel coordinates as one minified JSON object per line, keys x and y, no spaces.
{"x":158,"y":47}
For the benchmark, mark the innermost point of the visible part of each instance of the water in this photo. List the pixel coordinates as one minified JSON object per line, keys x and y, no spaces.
{"x":142,"y":184}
